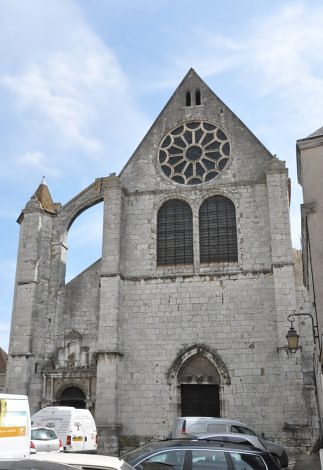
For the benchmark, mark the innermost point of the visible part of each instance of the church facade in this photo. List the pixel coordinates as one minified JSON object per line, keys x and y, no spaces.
{"x":186,"y":311}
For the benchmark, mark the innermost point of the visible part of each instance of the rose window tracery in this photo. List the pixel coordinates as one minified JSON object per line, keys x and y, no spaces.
{"x":194,"y":152}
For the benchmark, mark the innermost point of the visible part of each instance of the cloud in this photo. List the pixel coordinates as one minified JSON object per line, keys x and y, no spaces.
{"x":69,"y":91}
{"x":8,"y":269}
{"x":6,"y":213}
{"x":285,"y":57}
{"x":64,"y":91}
{"x":36,"y":161}
{"x":276,"y":56}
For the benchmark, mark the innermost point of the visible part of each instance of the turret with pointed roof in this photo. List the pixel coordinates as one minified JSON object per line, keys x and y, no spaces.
{"x":41,"y":199}
{"x":43,"y":195}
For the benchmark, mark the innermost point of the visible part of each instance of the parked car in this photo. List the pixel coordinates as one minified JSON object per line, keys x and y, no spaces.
{"x":75,"y":427}
{"x":83,"y":461}
{"x":195,"y":425}
{"x":45,"y":440}
{"x":196,"y":454}
{"x":28,"y":464}
{"x":235,"y":438}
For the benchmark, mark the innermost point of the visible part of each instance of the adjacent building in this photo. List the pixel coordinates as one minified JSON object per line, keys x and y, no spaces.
{"x":186,"y":311}
{"x":310,"y":177}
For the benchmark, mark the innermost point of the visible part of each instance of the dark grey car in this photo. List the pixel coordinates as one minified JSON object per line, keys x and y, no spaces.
{"x":188,"y":454}
{"x":187,"y":426}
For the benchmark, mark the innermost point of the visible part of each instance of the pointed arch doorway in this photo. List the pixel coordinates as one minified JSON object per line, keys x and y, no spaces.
{"x":199,"y":387}
{"x":198,"y":379}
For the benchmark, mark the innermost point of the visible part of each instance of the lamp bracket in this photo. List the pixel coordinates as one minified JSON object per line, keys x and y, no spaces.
{"x":314,"y":326}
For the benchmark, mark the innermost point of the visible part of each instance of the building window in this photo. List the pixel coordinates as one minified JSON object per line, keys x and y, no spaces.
{"x":174,"y":233}
{"x":188,"y":98}
{"x":218,"y":231}
{"x":197,"y":97}
{"x":194,"y":152}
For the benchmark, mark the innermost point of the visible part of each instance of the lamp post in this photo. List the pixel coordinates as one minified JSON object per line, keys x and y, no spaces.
{"x":292,"y":336}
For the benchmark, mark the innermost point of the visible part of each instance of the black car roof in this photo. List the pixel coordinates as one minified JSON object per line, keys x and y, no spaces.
{"x":140,"y":453}
{"x":196,"y":443}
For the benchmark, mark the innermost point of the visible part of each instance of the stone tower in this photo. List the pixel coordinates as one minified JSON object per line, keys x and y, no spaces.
{"x":186,"y":311}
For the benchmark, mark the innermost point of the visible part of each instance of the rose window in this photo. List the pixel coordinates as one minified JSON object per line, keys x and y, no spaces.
{"x":194,"y":153}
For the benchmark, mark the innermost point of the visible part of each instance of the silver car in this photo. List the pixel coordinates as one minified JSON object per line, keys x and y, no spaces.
{"x":233,"y":438}
{"x":45,"y":440}
{"x":188,"y":426}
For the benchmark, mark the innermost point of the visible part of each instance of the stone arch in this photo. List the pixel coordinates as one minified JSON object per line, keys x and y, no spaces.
{"x":197,"y":379}
{"x":218,"y":192}
{"x":198,"y":369}
{"x":88,"y":198}
{"x":205,"y":352}
{"x":72,"y":395}
{"x":172,"y":195}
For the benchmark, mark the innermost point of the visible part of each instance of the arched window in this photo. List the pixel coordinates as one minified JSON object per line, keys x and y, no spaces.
{"x":197,"y":97}
{"x":218,"y":231}
{"x":174,"y":233}
{"x":188,"y":98}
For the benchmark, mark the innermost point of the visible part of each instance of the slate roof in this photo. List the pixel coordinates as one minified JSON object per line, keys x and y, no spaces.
{"x":317,"y":133}
{"x":44,"y":197}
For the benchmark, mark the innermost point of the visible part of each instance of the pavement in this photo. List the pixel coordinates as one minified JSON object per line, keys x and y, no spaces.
{"x":306,"y":462}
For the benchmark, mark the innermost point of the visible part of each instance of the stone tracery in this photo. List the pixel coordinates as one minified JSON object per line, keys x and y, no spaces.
{"x":194,"y":153}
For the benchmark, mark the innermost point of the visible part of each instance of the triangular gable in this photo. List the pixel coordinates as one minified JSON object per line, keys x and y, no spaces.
{"x":212,"y":108}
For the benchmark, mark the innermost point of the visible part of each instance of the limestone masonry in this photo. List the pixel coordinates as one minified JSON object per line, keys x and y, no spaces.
{"x":186,"y":311}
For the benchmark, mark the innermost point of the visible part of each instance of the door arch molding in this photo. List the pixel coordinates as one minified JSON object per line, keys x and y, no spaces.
{"x":199,"y":350}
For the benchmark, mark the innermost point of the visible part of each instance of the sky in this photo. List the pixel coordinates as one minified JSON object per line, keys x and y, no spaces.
{"x":81,"y":82}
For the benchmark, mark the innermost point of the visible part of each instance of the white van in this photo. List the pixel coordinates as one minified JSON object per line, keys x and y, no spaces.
{"x":75,"y":427}
{"x":14,"y":426}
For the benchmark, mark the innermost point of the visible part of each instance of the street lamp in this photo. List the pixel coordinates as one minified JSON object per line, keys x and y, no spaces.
{"x":292,"y":341}
{"x":292,"y":336}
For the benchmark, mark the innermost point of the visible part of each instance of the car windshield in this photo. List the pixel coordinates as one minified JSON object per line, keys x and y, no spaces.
{"x":263,"y":442}
{"x":242,"y":430}
{"x":132,"y":455}
{"x":43,"y":434}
